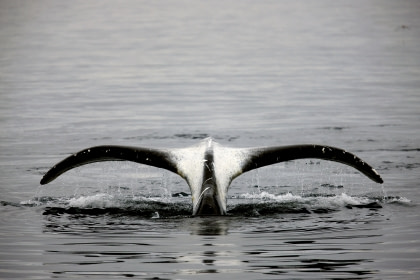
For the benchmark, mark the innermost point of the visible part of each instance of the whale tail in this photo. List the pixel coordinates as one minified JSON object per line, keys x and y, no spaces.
{"x":227,"y":164}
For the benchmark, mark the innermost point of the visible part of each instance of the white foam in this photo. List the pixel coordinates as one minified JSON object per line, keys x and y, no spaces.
{"x":402,"y":200}
{"x":335,"y":201}
{"x":101,"y":200}
{"x":265,"y":196}
{"x":31,"y":202}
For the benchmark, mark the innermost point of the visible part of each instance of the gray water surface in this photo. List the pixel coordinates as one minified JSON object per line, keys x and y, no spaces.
{"x":75,"y":74}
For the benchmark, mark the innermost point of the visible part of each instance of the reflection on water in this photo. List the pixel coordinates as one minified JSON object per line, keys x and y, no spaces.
{"x":209,"y":225}
{"x":337,"y":245}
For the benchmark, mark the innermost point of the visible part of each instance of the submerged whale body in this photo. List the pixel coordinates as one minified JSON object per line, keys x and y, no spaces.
{"x":208,"y":167}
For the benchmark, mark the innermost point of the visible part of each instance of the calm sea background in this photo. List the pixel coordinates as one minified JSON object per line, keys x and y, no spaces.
{"x":75,"y":74}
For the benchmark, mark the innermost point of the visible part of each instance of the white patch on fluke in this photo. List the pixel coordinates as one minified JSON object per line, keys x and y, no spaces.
{"x":228,"y":164}
{"x":190,"y":167}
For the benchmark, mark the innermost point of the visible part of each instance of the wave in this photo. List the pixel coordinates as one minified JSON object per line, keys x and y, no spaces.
{"x":248,"y":204}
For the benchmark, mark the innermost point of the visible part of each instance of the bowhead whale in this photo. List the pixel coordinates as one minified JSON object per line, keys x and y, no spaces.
{"x":208,"y":167}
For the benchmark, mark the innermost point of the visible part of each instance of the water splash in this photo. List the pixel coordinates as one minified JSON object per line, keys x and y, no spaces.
{"x":248,"y":204}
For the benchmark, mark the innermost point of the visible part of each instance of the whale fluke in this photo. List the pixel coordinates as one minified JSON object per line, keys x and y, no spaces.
{"x":208,"y":167}
{"x":153,"y":157}
{"x":259,"y":157}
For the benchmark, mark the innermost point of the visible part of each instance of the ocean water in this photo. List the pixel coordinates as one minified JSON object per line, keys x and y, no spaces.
{"x":75,"y":74}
